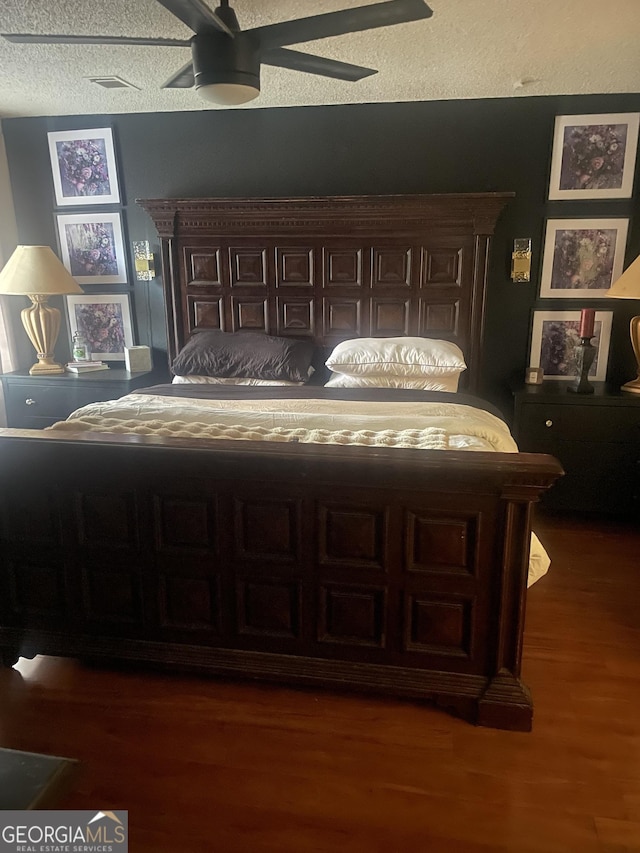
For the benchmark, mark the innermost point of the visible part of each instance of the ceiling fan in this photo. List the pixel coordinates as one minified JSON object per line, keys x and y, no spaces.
{"x":225,"y":60}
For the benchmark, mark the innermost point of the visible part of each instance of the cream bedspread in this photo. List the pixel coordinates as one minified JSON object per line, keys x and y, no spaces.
{"x":403,"y":424}
{"x":433,"y":426}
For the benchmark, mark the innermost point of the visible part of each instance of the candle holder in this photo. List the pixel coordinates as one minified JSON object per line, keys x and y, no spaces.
{"x":585,"y":353}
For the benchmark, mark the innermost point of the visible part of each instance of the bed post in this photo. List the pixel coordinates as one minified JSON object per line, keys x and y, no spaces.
{"x":507,"y":703}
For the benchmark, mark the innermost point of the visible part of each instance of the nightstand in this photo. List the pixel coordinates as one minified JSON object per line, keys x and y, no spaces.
{"x":35,"y":402}
{"x":595,"y":436}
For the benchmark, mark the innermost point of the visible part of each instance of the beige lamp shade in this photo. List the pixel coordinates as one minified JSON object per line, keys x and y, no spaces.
{"x":628,"y":287}
{"x":35,"y":270}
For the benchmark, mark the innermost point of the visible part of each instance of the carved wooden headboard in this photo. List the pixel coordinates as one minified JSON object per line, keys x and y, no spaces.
{"x":329,"y":268}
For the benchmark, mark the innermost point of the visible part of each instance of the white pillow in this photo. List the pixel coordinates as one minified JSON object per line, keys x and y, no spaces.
{"x":445,"y":382}
{"x":398,"y":356}
{"x":218,"y":380}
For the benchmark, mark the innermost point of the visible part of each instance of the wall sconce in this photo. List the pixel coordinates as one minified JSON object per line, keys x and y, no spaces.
{"x":144,"y":262}
{"x":521,"y":259}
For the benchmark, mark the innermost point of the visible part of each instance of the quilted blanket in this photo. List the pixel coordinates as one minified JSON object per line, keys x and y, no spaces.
{"x":431,"y":438}
{"x":432,"y":426}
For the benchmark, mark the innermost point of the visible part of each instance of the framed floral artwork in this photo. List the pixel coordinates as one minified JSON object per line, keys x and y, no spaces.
{"x":594,"y":156}
{"x":554,"y":339}
{"x":582,"y":257}
{"x":105,"y":322}
{"x":92,"y":247}
{"x":83,"y":163}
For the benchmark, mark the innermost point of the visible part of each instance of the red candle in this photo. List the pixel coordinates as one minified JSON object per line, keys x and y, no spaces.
{"x":587,"y":320}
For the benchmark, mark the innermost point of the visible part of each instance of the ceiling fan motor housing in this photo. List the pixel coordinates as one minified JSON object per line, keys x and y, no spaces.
{"x":217,"y":58}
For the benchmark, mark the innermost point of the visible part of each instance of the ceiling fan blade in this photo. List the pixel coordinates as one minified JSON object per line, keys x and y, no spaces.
{"x":183,"y":79}
{"x":28,"y":38}
{"x":284,"y":58}
{"x":340,"y":23}
{"x":196,"y":15}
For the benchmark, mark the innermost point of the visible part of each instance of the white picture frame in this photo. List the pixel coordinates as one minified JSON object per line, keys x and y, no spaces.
{"x":83,"y":165}
{"x":554,"y":337}
{"x":594,"y":156}
{"x":92,"y":247}
{"x":105,"y":321}
{"x":582,"y":257}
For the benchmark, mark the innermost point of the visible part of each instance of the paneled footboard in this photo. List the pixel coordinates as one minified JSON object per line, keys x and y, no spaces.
{"x":400,"y":572}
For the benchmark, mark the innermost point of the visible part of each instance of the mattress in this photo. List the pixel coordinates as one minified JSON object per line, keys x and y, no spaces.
{"x":376,"y":417}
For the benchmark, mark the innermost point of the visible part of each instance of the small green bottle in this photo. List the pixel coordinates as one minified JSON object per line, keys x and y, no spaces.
{"x":80,"y":348}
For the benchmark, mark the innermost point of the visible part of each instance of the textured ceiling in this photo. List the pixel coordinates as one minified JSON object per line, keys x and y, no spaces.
{"x":468,"y":49}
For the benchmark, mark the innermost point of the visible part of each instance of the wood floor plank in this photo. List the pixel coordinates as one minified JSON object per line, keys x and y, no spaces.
{"x":624,"y":834}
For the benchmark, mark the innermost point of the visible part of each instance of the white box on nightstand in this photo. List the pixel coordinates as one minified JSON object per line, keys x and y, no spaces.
{"x":137,"y":358}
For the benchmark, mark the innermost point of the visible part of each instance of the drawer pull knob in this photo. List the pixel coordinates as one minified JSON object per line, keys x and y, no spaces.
{"x":548,"y":423}
{"x":30,"y":402}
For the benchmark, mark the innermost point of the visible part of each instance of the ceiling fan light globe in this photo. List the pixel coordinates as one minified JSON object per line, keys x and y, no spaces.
{"x":228,"y":94}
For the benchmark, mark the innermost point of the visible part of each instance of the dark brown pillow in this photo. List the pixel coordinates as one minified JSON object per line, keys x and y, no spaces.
{"x":244,"y":354}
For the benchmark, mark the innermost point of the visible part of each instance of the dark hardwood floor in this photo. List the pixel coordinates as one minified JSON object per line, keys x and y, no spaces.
{"x":208,"y":765}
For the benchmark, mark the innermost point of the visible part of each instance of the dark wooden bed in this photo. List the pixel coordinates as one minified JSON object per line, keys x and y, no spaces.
{"x":394,"y":571}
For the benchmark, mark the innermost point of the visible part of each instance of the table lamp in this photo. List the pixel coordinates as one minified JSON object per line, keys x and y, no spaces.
{"x":628,"y":287}
{"x":36,"y":272}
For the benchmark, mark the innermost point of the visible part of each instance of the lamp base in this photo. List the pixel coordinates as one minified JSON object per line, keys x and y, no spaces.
{"x":46,"y":366}
{"x":42,"y":324}
{"x":633,"y":387}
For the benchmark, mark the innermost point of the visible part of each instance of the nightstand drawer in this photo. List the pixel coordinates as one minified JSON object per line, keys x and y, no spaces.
{"x":34,"y":422}
{"x":34,"y":402}
{"x":543,"y":423}
{"x":44,"y":401}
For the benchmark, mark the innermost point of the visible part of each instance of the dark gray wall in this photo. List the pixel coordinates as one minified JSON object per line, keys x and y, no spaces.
{"x":431,"y":147}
